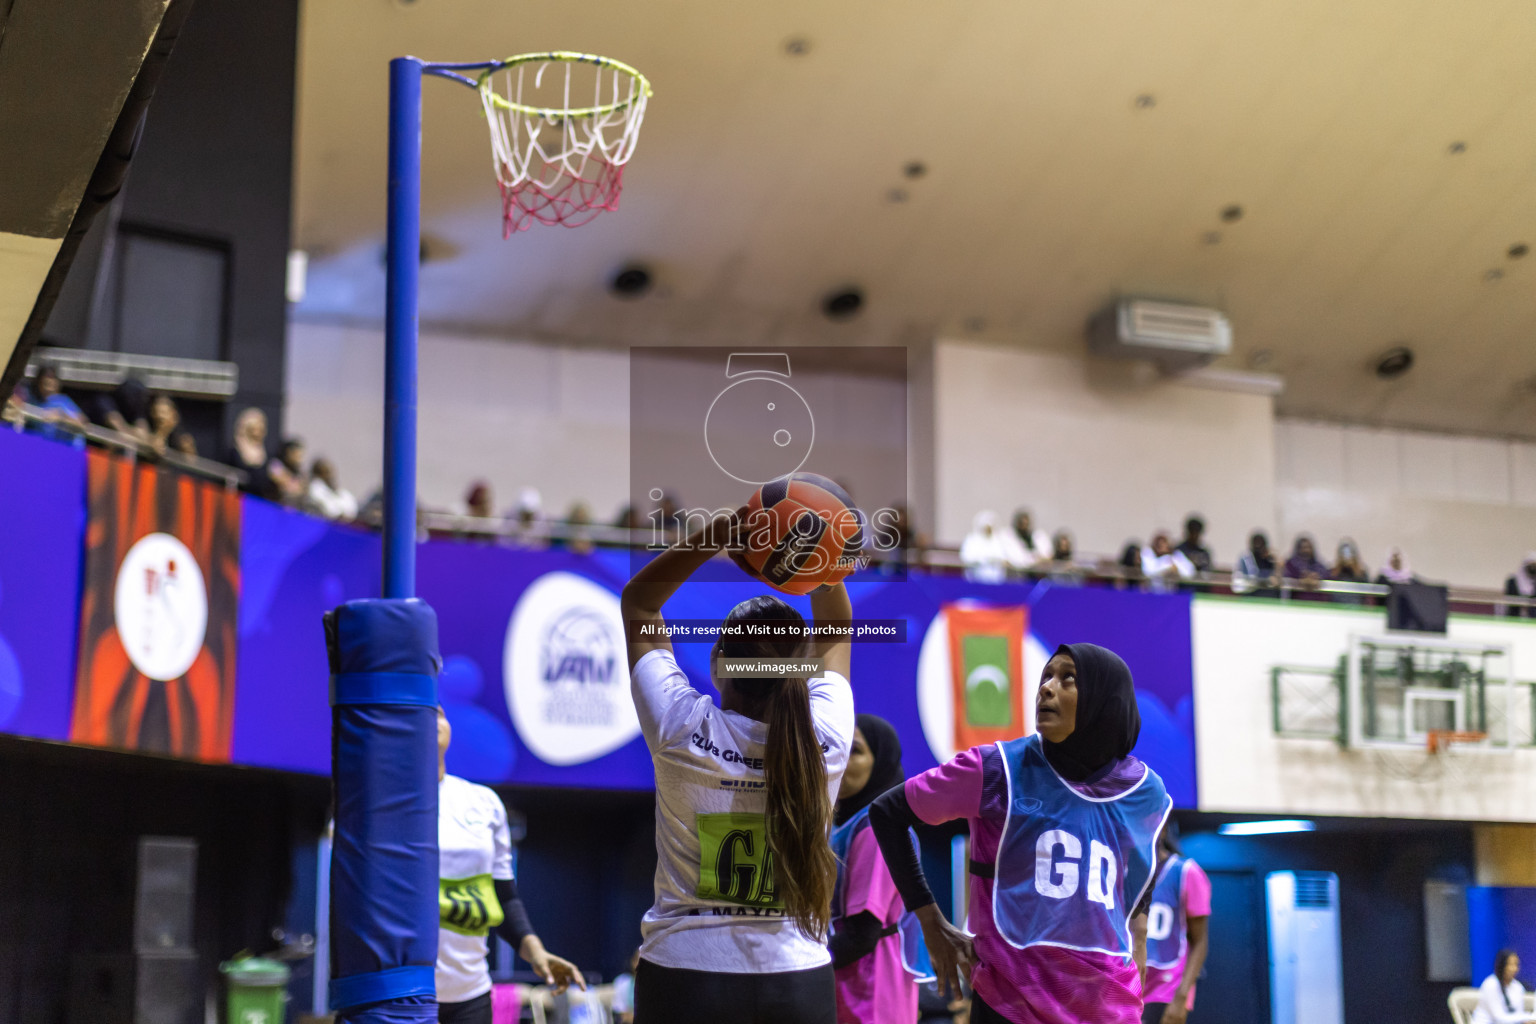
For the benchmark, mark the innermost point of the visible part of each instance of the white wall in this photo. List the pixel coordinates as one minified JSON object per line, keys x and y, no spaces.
{"x":556,"y":418}
{"x":1243,"y":766}
{"x":512,"y":413}
{"x":1463,"y":508}
{"x":1106,"y":452}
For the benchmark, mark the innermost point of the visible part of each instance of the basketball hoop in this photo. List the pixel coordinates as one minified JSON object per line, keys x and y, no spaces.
{"x":563,"y":125}
{"x":1442,"y":739}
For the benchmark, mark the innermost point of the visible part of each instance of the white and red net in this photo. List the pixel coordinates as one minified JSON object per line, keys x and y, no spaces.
{"x":563,"y":125}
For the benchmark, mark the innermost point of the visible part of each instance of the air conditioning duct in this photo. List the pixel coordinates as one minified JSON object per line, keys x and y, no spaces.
{"x":1175,"y":337}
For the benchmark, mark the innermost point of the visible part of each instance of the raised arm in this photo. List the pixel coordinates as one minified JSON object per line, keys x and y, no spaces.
{"x":658,"y":580}
{"x":830,"y":605}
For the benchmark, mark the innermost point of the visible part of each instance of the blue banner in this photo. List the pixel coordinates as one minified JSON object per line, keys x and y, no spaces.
{"x":535,"y":680}
{"x":295,"y":569}
{"x":42,"y":522}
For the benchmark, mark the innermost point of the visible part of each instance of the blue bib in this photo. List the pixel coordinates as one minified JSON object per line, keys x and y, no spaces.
{"x":914,"y":951}
{"x":1071,"y":868}
{"x":1166,"y":932}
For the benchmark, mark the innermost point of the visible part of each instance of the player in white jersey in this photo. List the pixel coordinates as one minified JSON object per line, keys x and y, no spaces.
{"x":477,"y":896}
{"x":744,"y":796}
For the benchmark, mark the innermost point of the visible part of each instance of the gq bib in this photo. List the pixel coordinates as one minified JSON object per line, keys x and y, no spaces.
{"x":1166,"y":930}
{"x":1071,"y":868}
{"x":914,"y":951}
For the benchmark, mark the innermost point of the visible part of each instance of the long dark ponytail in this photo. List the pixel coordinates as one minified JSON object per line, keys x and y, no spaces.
{"x":794,"y":767}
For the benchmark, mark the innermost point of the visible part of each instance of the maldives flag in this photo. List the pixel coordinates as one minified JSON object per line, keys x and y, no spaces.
{"x":986,"y":657}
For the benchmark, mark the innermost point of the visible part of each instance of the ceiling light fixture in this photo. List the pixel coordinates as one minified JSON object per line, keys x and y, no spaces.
{"x":1394,"y":362}
{"x":843,"y":304}
{"x":1279,"y":826}
{"x":631,"y":282}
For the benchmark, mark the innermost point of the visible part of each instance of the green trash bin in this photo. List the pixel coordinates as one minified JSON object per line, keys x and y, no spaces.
{"x":257,"y":990}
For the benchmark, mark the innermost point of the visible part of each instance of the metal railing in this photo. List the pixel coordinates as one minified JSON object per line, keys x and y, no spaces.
{"x":134,"y":448}
{"x":938,"y":559}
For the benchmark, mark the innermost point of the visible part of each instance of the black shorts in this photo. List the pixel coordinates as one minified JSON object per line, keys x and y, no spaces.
{"x":470,"y":1011}
{"x":981,"y":1013}
{"x":673,"y":995}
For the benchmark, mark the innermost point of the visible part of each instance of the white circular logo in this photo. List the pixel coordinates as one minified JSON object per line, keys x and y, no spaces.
{"x":160,"y":605}
{"x":567,"y":671}
{"x":759,"y":429}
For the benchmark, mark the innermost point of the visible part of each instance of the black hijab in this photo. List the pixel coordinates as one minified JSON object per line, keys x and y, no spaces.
{"x":885,"y":745}
{"x":1107,"y":720}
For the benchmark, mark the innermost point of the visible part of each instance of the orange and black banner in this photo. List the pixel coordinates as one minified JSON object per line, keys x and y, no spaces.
{"x":158,"y":613}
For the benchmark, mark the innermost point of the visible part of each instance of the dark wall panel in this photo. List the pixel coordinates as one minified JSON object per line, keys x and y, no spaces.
{"x":215,"y":164}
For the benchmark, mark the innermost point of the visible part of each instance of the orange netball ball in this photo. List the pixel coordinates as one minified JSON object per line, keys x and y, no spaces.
{"x":802,"y":531}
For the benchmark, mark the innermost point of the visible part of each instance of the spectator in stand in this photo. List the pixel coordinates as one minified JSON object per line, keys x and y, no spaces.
{"x":125,"y":410}
{"x":479,"y":501}
{"x":669,"y":516}
{"x":1163,"y":565}
{"x":164,"y":422}
{"x":1191,"y":547}
{"x":1347,"y":568}
{"x":1523,"y":584}
{"x":628,"y":519}
{"x":578,"y":529}
{"x":1130,"y":560}
{"x":183,"y":443}
{"x":1303,"y":564}
{"x":1255,"y":570}
{"x":59,"y":410}
{"x":988,"y":553}
{"x":1063,"y":564}
{"x":529,"y":530}
{"x":249,"y":452}
{"x":14,"y":412}
{"x":286,"y":473}
{"x":324,"y":496}
{"x":1395,"y":569}
{"x":1034,"y":544}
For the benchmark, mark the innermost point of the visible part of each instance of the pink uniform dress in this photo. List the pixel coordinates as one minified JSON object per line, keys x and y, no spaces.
{"x":875,"y":989}
{"x":1163,"y":983}
{"x":1038,"y":984}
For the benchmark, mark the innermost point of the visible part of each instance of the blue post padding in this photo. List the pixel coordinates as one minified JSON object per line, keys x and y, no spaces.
{"x":384,"y":688}
{"x":384,"y":912}
{"x":395,"y":983}
{"x":407,"y":1010}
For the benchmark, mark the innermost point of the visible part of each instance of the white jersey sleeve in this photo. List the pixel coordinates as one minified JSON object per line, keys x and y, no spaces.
{"x":501,"y":857}
{"x":667,"y":704}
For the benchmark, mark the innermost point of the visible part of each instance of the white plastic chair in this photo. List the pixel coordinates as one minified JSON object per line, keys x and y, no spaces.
{"x":1462,"y":1001}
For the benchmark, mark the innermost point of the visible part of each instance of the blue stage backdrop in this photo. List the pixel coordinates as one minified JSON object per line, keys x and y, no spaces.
{"x":42,"y":522}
